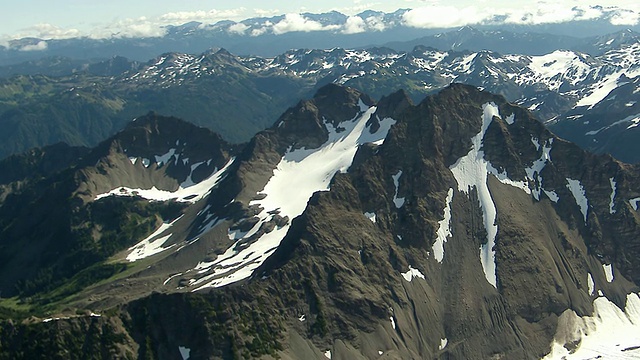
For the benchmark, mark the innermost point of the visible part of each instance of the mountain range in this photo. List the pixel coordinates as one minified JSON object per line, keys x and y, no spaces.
{"x":568,"y":90}
{"x":457,"y":227}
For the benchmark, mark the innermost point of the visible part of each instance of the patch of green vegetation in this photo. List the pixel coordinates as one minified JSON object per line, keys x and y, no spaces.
{"x":83,"y":279}
{"x":98,"y":231}
{"x":14,"y":308}
{"x":77,"y":339}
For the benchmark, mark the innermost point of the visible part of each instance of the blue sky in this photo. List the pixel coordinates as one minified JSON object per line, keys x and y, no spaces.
{"x":70,"y":18}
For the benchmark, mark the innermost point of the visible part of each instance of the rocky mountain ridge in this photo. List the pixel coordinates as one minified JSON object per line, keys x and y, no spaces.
{"x":458,"y":227}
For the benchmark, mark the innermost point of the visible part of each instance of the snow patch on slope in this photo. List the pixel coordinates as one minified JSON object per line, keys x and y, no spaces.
{"x":444,"y":229}
{"x":311,"y":170}
{"x":613,"y":196}
{"x":151,"y":245}
{"x":443,"y":343}
{"x":396,"y":182}
{"x":472,"y":171}
{"x":164,"y":159}
{"x":371,"y":216}
{"x":634,"y":203}
{"x":190,"y":194}
{"x":557,"y":67}
{"x":599,"y":91}
{"x":409,"y":275}
{"x":610,"y":333}
{"x":579,"y":195}
{"x":608,"y":272}
{"x":591,"y":284}
{"x":534,"y":171}
{"x":184,"y":352}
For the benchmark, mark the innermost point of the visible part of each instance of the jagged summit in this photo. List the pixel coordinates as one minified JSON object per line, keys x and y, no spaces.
{"x":458,"y":227}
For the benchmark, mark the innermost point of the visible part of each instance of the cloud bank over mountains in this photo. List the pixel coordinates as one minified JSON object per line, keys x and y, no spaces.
{"x":272,"y":22}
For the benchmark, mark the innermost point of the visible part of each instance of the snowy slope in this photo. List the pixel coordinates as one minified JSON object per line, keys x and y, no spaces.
{"x":311,"y":170}
{"x":610,"y":333}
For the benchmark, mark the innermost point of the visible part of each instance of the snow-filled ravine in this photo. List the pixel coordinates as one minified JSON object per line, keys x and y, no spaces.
{"x":444,"y":229}
{"x":610,"y":333}
{"x":188,"y":191}
{"x":310,"y":170}
{"x":472,"y":171}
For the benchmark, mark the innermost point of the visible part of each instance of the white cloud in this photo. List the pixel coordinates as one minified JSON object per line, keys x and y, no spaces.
{"x":238,"y":28}
{"x":428,"y":14}
{"x":625,"y":17}
{"x":48,"y":32}
{"x":129,"y":28}
{"x":259,"y":31}
{"x":354,"y":25}
{"x":437,"y":16}
{"x":358,"y":7}
{"x":377,"y":23}
{"x":297,"y":22}
{"x":543,"y":12}
{"x":266,"y":12}
{"x":40,"y":46}
{"x":208,"y":16}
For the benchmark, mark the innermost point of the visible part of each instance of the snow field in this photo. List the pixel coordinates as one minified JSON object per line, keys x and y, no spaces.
{"x":186,"y":192}
{"x":311,"y":170}
{"x":152,"y":244}
{"x":610,"y":333}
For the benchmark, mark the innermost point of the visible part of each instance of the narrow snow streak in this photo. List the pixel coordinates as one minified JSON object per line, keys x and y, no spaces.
{"x":610,"y":333}
{"x":613,"y":196}
{"x":396,"y":182}
{"x":472,"y":171}
{"x":311,"y":170}
{"x":634,"y":203}
{"x":190,"y":194}
{"x":591,"y":284}
{"x":534,"y":171}
{"x":579,"y":195}
{"x":444,"y":229}
{"x":608,"y":272}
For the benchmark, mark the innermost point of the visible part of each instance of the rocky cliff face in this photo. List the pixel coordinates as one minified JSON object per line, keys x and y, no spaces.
{"x":455,"y":228}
